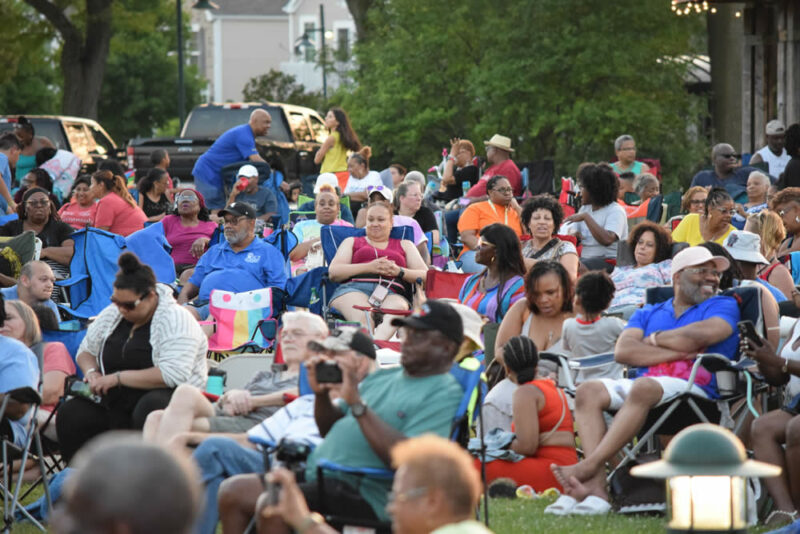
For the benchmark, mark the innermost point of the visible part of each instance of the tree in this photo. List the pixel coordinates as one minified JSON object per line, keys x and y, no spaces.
{"x":85,"y":31}
{"x":139,"y":94}
{"x":562,"y":78}
{"x":276,"y":86}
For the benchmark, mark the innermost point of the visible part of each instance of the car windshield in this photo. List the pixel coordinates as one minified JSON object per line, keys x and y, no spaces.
{"x":215,"y":121}
{"x":43,"y":127}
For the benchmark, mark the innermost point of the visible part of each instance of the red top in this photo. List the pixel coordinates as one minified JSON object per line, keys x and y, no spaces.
{"x":552,"y":410}
{"x":508,"y":169}
{"x":363,"y":252}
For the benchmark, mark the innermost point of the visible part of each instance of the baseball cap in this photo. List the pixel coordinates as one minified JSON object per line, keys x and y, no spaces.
{"x":240,"y":209}
{"x":346,"y":338}
{"x":689,"y":257}
{"x":435,"y":315}
{"x":745,"y":246}
{"x":247,"y":171}
{"x":775,"y":127}
{"x":385,"y":192}
{"x":326,"y":178}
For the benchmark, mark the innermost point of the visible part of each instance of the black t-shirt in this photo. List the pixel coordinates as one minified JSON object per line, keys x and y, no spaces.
{"x":151,"y":208}
{"x":455,"y":190}
{"x":126,"y":351}
{"x":791,"y":174}
{"x":53,"y":234}
{"x":426,"y":219}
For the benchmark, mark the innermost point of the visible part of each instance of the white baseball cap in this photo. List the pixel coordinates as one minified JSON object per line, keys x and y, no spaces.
{"x":689,"y":257}
{"x":248,"y":171}
{"x":386,"y":192}
{"x":326,"y":178}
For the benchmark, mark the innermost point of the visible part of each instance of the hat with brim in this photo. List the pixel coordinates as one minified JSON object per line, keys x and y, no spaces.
{"x":343,"y":339}
{"x":692,"y":256}
{"x":471,"y":320}
{"x":745,"y":246}
{"x":500,"y":141}
{"x":775,"y":127}
{"x":239,"y":209}
{"x":384,"y":192}
{"x":18,"y":251}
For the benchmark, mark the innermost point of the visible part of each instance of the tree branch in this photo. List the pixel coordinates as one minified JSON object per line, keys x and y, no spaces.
{"x":57,"y":18}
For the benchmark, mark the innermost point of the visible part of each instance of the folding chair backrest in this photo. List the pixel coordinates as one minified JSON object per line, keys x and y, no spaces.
{"x":284,"y":240}
{"x":70,"y":338}
{"x":240,"y":368}
{"x":443,"y":284}
{"x":655,"y":209}
{"x":237,"y":316}
{"x":305,"y":290}
{"x":332,"y":237}
{"x":297,"y":216}
{"x":468,"y":374}
{"x":92,"y":271}
{"x":153,"y":249}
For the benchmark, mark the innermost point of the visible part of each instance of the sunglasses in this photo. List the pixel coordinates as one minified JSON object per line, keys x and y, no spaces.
{"x":186,"y":196}
{"x":129,"y":306}
{"x":727,"y":156}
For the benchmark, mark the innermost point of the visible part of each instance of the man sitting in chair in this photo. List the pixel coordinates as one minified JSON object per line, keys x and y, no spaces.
{"x":35,"y":285}
{"x":240,"y":263}
{"x":390,"y":405}
{"x":661,"y":341}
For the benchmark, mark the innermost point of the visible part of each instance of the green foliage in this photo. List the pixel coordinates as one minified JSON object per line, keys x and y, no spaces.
{"x":140,"y":90}
{"x":30,"y":83}
{"x":562,"y":78}
{"x":276,"y":86}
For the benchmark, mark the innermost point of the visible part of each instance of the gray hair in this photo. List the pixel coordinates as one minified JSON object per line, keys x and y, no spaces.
{"x":642,"y":181}
{"x":761,"y":176}
{"x":417,"y":177}
{"x":309,"y":320}
{"x":621,"y":139}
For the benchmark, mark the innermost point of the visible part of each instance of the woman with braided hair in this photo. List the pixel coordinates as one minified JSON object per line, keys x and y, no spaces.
{"x":544,"y":438}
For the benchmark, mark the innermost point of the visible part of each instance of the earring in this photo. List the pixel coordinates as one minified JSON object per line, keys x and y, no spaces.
{"x":796,"y":219}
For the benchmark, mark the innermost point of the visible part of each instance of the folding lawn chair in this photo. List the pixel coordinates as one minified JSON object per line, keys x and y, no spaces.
{"x":151,"y":246}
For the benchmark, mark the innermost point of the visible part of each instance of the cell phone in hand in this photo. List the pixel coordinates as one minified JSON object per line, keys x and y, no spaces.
{"x":747,"y":330}
{"x":328,"y":372}
{"x":273,"y":493}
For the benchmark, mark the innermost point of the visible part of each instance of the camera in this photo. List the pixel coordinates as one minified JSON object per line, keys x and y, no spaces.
{"x":328,"y":372}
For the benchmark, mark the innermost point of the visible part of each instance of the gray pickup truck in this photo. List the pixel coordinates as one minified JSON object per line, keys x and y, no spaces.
{"x":293,"y":139}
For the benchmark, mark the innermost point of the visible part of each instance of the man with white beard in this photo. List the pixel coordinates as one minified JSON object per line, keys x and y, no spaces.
{"x":240,"y":263}
{"x":660,"y":343}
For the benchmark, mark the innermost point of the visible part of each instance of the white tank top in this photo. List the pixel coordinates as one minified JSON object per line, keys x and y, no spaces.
{"x":776,"y":163}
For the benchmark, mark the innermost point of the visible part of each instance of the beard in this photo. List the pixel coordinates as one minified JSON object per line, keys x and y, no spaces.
{"x":693,"y":292}
{"x":234,"y":238}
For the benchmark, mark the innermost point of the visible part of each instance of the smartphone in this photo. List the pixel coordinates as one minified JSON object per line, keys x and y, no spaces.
{"x":748,"y":330}
{"x":328,"y":372}
{"x":79,"y":388}
{"x":273,"y":493}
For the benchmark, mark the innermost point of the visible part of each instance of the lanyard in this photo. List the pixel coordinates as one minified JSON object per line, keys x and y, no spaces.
{"x":505,"y":212}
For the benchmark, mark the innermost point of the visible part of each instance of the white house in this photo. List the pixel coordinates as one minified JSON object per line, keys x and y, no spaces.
{"x":247,"y":38}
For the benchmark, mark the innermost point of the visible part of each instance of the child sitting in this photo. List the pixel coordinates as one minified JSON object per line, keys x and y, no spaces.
{"x":589,"y":332}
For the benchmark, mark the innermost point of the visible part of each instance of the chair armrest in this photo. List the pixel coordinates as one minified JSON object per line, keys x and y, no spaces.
{"x":68,"y":282}
{"x":25,"y":395}
{"x":258,"y":440}
{"x":593,"y":361}
{"x":374,"y":472}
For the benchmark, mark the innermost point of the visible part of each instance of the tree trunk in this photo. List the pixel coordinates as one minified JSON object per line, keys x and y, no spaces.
{"x":358,"y":9}
{"x":84,"y":54}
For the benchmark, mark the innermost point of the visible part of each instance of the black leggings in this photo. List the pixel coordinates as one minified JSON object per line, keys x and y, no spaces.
{"x":79,"y":419}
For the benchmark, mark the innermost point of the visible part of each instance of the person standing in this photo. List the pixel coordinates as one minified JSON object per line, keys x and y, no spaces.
{"x":774,"y":154}
{"x":625,"y":149}
{"x":31,"y":143}
{"x":238,"y":143}
{"x":332,"y":155}
{"x":10,"y":148}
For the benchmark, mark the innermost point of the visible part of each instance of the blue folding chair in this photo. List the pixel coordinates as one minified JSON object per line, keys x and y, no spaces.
{"x":93,"y":269}
{"x":71,"y":338}
{"x":151,"y":246}
{"x":310,"y":290}
{"x":332,"y":236}
{"x":473,"y":389}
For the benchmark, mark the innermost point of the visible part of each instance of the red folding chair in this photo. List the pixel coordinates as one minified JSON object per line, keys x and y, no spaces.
{"x":443,"y":284}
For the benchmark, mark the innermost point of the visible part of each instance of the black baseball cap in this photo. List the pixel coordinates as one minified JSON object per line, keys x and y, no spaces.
{"x":240,"y":209}
{"x":346,"y":338}
{"x":435,"y":315}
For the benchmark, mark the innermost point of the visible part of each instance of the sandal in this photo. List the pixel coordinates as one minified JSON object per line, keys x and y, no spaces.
{"x":562,"y":506}
{"x":788,"y":518}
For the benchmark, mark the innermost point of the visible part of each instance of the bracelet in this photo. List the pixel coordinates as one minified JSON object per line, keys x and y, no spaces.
{"x":119,"y":378}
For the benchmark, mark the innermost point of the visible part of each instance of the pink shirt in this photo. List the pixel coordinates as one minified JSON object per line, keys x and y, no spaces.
{"x":77,"y":216}
{"x":120,"y":217}
{"x":56,"y":358}
{"x":181,"y":237}
{"x":508,"y":169}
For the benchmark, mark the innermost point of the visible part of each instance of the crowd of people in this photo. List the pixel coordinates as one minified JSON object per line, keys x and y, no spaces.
{"x":536,"y":275}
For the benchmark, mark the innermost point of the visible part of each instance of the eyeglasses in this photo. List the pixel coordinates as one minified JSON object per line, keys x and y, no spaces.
{"x":627,"y":148}
{"x":38,"y":203}
{"x":728,"y":156}
{"x":503,"y":190}
{"x":703,"y":271}
{"x":484,"y":244}
{"x":294,"y":333}
{"x":697,"y":202}
{"x":403,"y":496}
{"x":129,"y":306}
{"x":723,"y":211}
{"x":232,"y":222}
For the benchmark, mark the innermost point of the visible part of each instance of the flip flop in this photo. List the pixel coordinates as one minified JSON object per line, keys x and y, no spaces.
{"x":592,"y":505}
{"x":564,"y":505}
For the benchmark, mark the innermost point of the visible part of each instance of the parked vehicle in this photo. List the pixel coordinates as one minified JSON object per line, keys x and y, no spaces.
{"x":293,"y":139}
{"x":83,"y":137}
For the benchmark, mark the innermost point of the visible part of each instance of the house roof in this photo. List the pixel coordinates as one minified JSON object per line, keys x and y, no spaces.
{"x":250,"y":7}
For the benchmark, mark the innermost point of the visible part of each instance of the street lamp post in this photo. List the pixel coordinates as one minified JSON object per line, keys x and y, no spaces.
{"x":305,"y":43}
{"x":201,"y":5}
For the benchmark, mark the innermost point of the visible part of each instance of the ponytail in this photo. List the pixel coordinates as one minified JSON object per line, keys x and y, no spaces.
{"x":114,"y":184}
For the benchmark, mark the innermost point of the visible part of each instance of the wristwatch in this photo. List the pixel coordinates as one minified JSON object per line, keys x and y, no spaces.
{"x":358,"y":409}
{"x":402,"y":273}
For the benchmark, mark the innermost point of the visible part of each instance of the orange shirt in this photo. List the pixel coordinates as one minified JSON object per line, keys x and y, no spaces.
{"x":481,"y":214}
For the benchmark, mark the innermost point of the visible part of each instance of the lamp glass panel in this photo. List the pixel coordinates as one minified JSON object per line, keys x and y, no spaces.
{"x":707,"y":503}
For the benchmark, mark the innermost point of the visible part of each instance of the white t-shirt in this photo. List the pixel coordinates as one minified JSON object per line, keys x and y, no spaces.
{"x":498,"y":406}
{"x":777,"y":164}
{"x":613,"y":219}
{"x":793,"y":388}
{"x":354,"y":185}
{"x":580,"y":340}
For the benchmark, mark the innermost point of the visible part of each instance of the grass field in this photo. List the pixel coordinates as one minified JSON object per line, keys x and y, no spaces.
{"x":518,"y":516}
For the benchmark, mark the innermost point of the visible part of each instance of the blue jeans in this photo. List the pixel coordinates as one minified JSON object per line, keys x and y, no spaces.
{"x":214,"y":195}
{"x":220,"y":458}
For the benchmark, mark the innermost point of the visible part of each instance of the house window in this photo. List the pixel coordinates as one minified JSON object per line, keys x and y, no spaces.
{"x":343,"y":44}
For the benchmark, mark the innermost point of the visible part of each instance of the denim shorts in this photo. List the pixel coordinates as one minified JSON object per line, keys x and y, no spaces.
{"x":350,"y":287}
{"x":201,"y":307}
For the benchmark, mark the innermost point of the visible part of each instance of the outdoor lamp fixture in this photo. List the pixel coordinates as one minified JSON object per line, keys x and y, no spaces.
{"x":304,"y":43}
{"x":706,"y":470}
{"x":203,"y":5}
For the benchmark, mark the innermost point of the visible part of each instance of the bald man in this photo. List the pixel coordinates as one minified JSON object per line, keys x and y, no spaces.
{"x":727,"y":172}
{"x":237,"y":144}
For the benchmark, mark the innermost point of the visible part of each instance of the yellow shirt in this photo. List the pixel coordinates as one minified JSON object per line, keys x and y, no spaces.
{"x":335,"y":159}
{"x":688,"y":231}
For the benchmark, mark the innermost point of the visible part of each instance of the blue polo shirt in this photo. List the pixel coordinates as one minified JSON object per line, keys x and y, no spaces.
{"x":11,"y":293}
{"x":18,"y":368}
{"x":257,"y":266}
{"x":263,"y":200}
{"x":661,"y":316}
{"x":236,"y":144}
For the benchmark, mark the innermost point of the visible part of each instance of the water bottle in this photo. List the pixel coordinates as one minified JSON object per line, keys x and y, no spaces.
{"x":465,"y":187}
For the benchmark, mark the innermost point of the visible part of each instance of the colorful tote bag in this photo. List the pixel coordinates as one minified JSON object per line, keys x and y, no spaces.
{"x":237,"y":316}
